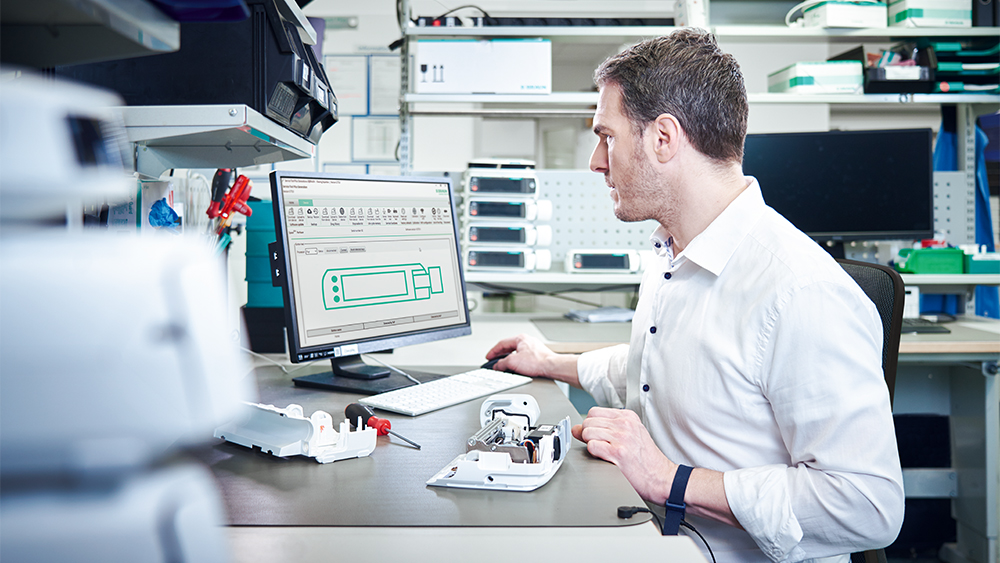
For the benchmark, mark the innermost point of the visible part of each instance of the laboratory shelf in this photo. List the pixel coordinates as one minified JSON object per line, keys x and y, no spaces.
{"x":62,"y":32}
{"x":549,"y":104}
{"x":208,"y":136}
{"x":562,"y":281}
{"x":551,"y":281}
{"x":949,"y":283}
{"x":780,"y":33}
{"x":752,"y":33}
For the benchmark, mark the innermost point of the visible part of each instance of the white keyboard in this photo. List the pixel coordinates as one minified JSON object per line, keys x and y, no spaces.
{"x":445,"y":392}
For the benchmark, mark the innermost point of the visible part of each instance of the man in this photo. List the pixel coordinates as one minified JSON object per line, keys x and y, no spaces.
{"x":754,"y":357}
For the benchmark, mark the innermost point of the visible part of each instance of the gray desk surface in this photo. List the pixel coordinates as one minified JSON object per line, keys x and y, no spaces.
{"x":388,"y":488}
{"x":481,"y":545}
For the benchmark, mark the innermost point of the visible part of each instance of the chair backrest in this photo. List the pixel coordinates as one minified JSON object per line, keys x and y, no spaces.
{"x":884,"y":287}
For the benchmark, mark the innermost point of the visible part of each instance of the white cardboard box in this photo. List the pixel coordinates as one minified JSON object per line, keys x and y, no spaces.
{"x":846,"y":14}
{"x":471,"y":66}
{"x":930,"y":13}
{"x":829,"y":77}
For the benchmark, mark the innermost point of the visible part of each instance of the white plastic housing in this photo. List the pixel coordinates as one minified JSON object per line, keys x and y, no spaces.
{"x":494,"y":470}
{"x":42,"y":169}
{"x":286,"y":432}
{"x":574,"y":265}
{"x":124,"y":341}
{"x":540,"y":235}
{"x":510,"y":403}
{"x":532,"y":259}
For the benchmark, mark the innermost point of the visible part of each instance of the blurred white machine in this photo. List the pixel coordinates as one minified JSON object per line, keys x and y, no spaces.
{"x":115,"y":353}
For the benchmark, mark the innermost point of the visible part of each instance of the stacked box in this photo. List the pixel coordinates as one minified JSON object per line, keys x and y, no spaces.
{"x":829,"y":77}
{"x":472,"y":66}
{"x":846,"y":14}
{"x":930,"y":13}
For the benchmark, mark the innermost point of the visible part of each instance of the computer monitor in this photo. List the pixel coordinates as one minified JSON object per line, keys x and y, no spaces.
{"x":847,"y":185}
{"x":369,"y":263}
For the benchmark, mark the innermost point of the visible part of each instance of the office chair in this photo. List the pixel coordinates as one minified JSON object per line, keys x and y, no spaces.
{"x":884,"y":287}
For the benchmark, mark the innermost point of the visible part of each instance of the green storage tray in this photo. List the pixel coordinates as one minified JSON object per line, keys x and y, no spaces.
{"x":931,"y":261}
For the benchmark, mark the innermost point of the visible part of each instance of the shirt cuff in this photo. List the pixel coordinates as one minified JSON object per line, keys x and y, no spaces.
{"x":761,"y":502}
{"x":593,"y":369}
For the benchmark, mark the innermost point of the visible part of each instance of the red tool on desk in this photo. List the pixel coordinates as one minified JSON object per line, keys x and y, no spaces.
{"x":225,"y":203}
{"x":354,"y":411}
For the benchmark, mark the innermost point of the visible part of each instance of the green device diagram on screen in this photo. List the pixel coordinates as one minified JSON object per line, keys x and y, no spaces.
{"x":379,"y":285}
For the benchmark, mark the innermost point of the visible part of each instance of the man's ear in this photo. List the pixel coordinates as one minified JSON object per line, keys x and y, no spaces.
{"x":666,"y":136}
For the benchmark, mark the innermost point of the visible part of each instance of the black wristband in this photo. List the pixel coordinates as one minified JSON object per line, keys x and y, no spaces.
{"x":675,"y":505}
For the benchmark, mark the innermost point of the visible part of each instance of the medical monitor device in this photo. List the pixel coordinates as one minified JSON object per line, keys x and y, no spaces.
{"x":369,"y":264}
{"x":847,"y":185}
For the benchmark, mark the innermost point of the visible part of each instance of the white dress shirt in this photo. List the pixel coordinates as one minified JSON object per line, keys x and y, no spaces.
{"x":753,"y":353}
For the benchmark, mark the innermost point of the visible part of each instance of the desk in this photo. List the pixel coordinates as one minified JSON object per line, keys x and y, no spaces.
{"x":937,"y":374}
{"x":282,"y":509}
{"x":946,"y":374}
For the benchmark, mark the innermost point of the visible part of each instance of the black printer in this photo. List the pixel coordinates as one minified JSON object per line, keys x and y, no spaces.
{"x":260,"y":62}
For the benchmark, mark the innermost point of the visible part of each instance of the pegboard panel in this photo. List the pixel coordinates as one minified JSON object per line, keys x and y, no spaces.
{"x":583,"y":215}
{"x":955,"y":207}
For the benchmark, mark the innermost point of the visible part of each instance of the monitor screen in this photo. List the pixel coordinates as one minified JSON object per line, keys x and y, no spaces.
{"x":371,"y":263}
{"x":847,"y":185}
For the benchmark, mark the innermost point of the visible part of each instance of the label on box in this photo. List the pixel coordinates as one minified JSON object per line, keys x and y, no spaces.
{"x":899,"y":72}
{"x":930,"y":13}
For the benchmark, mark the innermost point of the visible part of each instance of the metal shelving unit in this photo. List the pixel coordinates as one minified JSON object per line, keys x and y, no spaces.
{"x":762,"y":33}
{"x":208,"y":136}
{"x":580,"y":104}
{"x":59,"y":32}
{"x":562,"y":281}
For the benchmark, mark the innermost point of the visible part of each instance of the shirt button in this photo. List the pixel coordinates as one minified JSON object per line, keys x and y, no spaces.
{"x":666,"y":275}
{"x":645,"y":387}
{"x":652,"y":330}
{"x":656,"y":244}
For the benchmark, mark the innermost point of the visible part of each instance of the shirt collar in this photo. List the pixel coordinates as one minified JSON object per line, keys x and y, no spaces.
{"x":714,"y":246}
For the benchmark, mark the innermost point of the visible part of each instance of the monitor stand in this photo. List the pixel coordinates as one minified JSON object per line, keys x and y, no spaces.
{"x":352,"y":374}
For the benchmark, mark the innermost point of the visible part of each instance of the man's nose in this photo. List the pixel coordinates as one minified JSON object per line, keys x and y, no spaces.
{"x":599,"y":158}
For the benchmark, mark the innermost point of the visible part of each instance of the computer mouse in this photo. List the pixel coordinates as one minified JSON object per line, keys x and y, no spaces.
{"x":490,"y":363}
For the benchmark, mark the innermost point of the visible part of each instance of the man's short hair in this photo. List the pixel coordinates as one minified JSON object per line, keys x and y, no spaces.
{"x":687,"y":75}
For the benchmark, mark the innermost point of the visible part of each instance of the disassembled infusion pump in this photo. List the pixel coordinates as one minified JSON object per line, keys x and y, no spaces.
{"x":511,"y":451}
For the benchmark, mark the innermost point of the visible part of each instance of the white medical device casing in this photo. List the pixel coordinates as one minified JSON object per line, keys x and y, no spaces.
{"x":493,"y":462}
{"x":286,"y":432}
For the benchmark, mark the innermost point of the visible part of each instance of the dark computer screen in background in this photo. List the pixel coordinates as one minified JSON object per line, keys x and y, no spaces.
{"x":847,"y":185}
{"x":370,"y":263}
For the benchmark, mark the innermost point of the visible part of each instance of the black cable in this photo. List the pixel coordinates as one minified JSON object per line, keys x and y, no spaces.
{"x":626,"y":512}
{"x":453,"y":10}
{"x":690,"y":527}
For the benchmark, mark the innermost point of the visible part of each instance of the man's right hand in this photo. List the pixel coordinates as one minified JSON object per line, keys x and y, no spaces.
{"x":528,"y":356}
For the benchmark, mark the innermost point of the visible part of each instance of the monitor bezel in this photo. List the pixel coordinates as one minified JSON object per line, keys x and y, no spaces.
{"x":332,"y":351}
{"x":873,"y":235}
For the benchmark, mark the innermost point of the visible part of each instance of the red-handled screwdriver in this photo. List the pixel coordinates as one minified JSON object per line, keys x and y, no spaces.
{"x":355,"y":411}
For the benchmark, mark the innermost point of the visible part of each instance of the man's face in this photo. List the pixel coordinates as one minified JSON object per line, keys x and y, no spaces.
{"x":636,"y":190}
